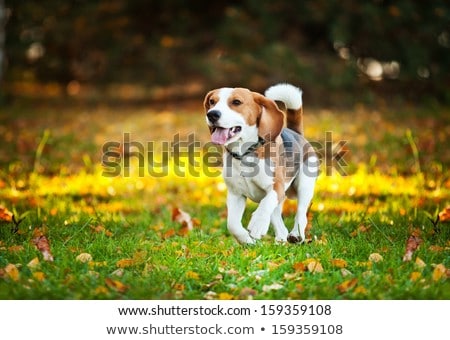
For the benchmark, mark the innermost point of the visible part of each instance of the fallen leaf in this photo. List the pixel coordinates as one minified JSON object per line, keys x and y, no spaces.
{"x":412,"y":244}
{"x":420,"y":263}
{"x":360,"y":229}
{"x":360,"y":290}
{"x":444,"y":215}
{"x":39,"y":276}
{"x":34,"y":263}
{"x":347,"y":285}
{"x":375,"y":257}
{"x":339,"y":263}
{"x":5,"y":214}
{"x":192,"y":275}
{"x":299,"y":267}
{"x":439,"y":272}
{"x":313,"y":265}
{"x":210,"y":295}
{"x":274,"y":286}
{"x":415,"y":276}
{"x":169,"y":233}
{"x":84,"y":257}
{"x":116,"y":285}
{"x":12,"y":272}
{"x":101,"y":290}
{"x":124,"y":263}
{"x":225,"y":296}
{"x":184,"y":219}
{"x":42,"y":244}
{"x":436,"y":249}
{"x":101,"y":229}
{"x":247,"y":293}
{"x":15,"y":249}
{"x":345,"y":272}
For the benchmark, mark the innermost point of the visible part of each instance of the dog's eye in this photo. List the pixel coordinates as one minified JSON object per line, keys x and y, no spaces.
{"x":236,"y":102}
{"x":211,"y":101}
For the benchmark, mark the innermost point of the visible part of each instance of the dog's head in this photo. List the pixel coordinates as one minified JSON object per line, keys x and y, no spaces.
{"x":238,"y":114}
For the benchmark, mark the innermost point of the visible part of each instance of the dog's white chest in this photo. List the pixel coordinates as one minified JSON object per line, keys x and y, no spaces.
{"x":251,"y":177}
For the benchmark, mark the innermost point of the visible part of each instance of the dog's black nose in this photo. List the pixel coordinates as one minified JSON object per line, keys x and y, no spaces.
{"x":213,"y":115}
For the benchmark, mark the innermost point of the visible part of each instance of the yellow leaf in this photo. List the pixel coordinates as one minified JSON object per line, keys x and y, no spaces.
{"x":34,"y":263}
{"x":192,"y":275}
{"x":12,"y":272}
{"x":360,"y":290}
{"x":415,"y":276}
{"x":84,"y":257}
{"x":439,"y":272}
{"x":375,"y":257}
{"x":101,"y":290}
{"x":419,"y":263}
{"x":124,"y":263}
{"x":339,"y":263}
{"x":179,"y":286}
{"x":225,"y":296}
{"x":39,"y":276}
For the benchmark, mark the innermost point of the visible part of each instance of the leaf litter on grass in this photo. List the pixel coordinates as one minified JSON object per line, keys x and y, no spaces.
{"x":158,"y":210}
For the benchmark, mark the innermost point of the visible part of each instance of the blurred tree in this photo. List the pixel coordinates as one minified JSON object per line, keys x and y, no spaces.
{"x":2,"y":38}
{"x":329,"y":43}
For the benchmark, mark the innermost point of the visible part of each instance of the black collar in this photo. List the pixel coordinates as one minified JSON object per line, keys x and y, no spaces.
{"x":252,"y":148}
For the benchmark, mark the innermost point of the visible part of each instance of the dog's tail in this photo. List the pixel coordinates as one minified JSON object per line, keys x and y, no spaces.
{"x":289,"y":100}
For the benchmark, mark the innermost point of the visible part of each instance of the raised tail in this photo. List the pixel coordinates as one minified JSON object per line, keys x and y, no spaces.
{"x":288,"y":99}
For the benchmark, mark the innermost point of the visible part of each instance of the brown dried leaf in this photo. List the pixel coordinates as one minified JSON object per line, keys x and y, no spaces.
{"x":313,"y":265}
{"x":116,"y":285}
{"x":5,"y":214}
{"x":184,"y":219}
{"x":412,"y":244}
{"x":347,"y":285}
{"x":42,"y":244}
{"x":299,"y":267}
{"x":444,"y":215}
{"x":247,"y":293}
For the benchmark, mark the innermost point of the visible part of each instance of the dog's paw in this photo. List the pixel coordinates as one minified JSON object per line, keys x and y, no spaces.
{"x":294,"y":239}
{"x":246,"y":239}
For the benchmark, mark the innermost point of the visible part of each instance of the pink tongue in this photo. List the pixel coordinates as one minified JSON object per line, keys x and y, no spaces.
{"x":220,"y":135}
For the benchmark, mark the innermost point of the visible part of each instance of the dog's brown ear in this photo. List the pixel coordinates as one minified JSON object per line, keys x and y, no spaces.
{"x":272,"y":118}
{"x":206,"y":103}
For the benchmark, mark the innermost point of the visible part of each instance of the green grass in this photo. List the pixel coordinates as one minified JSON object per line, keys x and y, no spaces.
{"x":138,"y":251}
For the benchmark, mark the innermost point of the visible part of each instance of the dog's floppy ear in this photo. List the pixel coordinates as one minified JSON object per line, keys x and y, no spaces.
{"x":206,"y":104}
{"x":272,"y":118}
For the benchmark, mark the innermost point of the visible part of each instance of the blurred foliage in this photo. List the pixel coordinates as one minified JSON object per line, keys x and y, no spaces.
{"x":390,"y":47}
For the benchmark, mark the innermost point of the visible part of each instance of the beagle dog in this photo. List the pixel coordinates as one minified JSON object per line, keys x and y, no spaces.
{"x":266,"y":158}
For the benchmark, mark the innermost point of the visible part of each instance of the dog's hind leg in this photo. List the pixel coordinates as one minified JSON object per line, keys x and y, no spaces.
{"x":280,"y":229}
{"x":305,"y":192}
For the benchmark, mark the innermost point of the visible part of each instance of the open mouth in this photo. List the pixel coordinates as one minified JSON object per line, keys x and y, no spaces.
{"x":220,"y":135}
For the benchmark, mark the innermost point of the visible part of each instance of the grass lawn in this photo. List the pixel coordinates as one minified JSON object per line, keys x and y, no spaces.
{"x":118,"y":237}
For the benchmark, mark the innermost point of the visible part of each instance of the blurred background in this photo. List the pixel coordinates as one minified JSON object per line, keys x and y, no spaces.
{"x":341,"y":52}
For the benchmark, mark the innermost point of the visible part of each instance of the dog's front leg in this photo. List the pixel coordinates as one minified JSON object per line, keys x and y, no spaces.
{"x":236,"y":207}
{"x":260,"y":221}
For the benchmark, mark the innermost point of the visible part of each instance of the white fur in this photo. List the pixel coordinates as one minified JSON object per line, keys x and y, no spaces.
{"x":287,"y":93}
